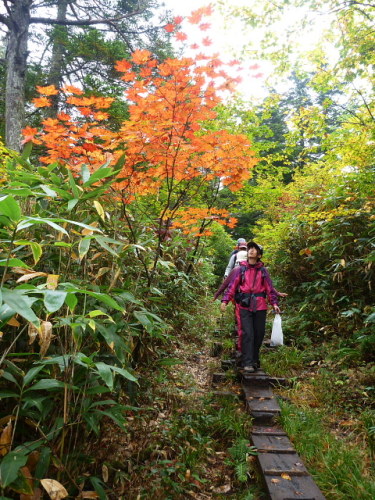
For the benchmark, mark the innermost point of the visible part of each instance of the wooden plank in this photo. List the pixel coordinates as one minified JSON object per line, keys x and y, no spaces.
{"x":255,"y":379}
{"x":277,"y":464}
{"x":262,"y":404}
{"x":272,"y":444}
{"x":255,"y":391}
{"x":270,"y":430}
{"x":297,"y":487}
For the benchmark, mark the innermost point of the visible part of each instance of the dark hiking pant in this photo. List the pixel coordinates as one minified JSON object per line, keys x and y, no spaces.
{"x":253,"y":326}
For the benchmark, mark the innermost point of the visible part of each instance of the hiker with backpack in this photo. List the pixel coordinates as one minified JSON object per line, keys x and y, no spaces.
{"x":250,"y":284}
{"x":239,"y":254}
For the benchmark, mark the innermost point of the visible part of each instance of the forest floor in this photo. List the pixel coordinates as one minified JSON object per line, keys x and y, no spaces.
{"x":184,"y":436}
{"x":178,"y":444}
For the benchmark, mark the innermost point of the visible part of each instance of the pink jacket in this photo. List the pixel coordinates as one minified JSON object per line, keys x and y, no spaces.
{"x":255,"y":280}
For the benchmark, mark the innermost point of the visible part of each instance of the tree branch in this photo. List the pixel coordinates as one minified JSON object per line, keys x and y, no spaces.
{"x":5,"y":20}
{"x":83,"y":22}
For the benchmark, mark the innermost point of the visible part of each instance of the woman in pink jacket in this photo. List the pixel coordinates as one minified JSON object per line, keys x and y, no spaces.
{"x":249,"y":287}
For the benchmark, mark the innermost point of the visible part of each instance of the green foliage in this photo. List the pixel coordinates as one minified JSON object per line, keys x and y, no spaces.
{"x":76,"y":280}
{"x":239,"y":453}
{"x":336,"y":465}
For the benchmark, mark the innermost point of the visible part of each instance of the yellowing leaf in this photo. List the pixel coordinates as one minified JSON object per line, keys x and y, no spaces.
{"x":13,"y":322}
{"x":274,"y":480}
{"x":52,"y":281}
{"x":45,"y":336}
{"x":6,"y":439}
{"x":99,"y":209}
{"x":32,"y":332}
{"x":88,"y":494}
{"x":27,"y":277}
{"x":55,"y":490}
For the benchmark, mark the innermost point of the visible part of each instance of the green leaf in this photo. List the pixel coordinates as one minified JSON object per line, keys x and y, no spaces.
{"x":26,"y":151}
{"x":20,"y":303}
{"x":73,"y":185}
{"x":102,"y":242}
{"x":106,"y":374}
{"x":124,"y":373}
{"x":6,"y":393}
{"x":85,"y":173}
{"x":98,"y":486}
{"x":71,"y":301}
{"x":35,"y":248}
{"x":104,"y":298}
{"x":21,"y":484}
{"x":14,"y":263}
{"x":30,"y":221}
{"x":99,"y":174}
{"x":72,"y":203}
{"x":49,"y":192}
{"x":43,"y":463}
{"x":5,"y":313}
{"x":46,"y":384}
{"x":8,"y":376}
{"x":54,"y":299}
{"x":10,"y":208}
{"x":98,"y":389}
{"x":83,"y":247}
{"x":31,"y":374}
{"x":9,"y":467}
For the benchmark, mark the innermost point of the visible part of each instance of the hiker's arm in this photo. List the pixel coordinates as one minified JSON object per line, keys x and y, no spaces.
{"x":232,"y":286}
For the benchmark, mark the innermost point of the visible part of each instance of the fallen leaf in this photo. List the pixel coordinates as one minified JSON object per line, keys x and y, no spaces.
{"x":88,"y":494}
{"x":286,"y":476}
{"x":55,"y":490}
{"x":105,"y":473}
{"x":222,"y":489}
{"x":274,"y":480}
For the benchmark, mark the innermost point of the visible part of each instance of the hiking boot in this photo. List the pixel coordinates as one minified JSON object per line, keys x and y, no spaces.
{"x":249,"y":369}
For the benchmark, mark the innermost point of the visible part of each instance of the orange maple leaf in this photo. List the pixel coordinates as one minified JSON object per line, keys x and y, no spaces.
{"x":128,"y":77}
{"x":123,"y":65}
{"x":29,"y":133}
{"x":194,"y":46}
{"x":206,"y":41}
{"x":71,"y":89}
{"x":49,"y":90}
{"x":170,"y":27}
{"x":181,"y":36}
{"x":178,"y":19}
{"x":41,"y":102}
{"x":141,"y":56}
{"x":63,"y":117}
{"x":204,"y":26}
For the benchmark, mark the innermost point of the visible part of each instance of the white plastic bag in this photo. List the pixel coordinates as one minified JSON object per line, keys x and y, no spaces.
{"x":277,"y":337}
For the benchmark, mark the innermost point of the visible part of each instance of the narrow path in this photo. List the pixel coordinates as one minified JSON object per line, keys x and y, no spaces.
{"x":284,"y":474}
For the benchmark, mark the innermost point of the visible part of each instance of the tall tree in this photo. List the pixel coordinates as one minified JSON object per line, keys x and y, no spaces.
{"x":19,"y":17}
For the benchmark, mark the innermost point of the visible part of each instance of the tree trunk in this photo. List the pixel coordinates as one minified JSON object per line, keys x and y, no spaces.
{"x":16,"y":56}
{"x":59,"y":35}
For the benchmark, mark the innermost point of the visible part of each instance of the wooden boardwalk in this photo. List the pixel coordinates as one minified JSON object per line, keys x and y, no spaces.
{"x":285,"y":476}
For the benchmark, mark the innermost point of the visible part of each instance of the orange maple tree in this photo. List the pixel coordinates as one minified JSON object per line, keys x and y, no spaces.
{"x":166,"y":142}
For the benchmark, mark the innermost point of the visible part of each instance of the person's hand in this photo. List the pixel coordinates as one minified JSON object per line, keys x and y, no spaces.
{"x":282,"y":294}
{"x":276,"y":308}
{"x":223,"y":306}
